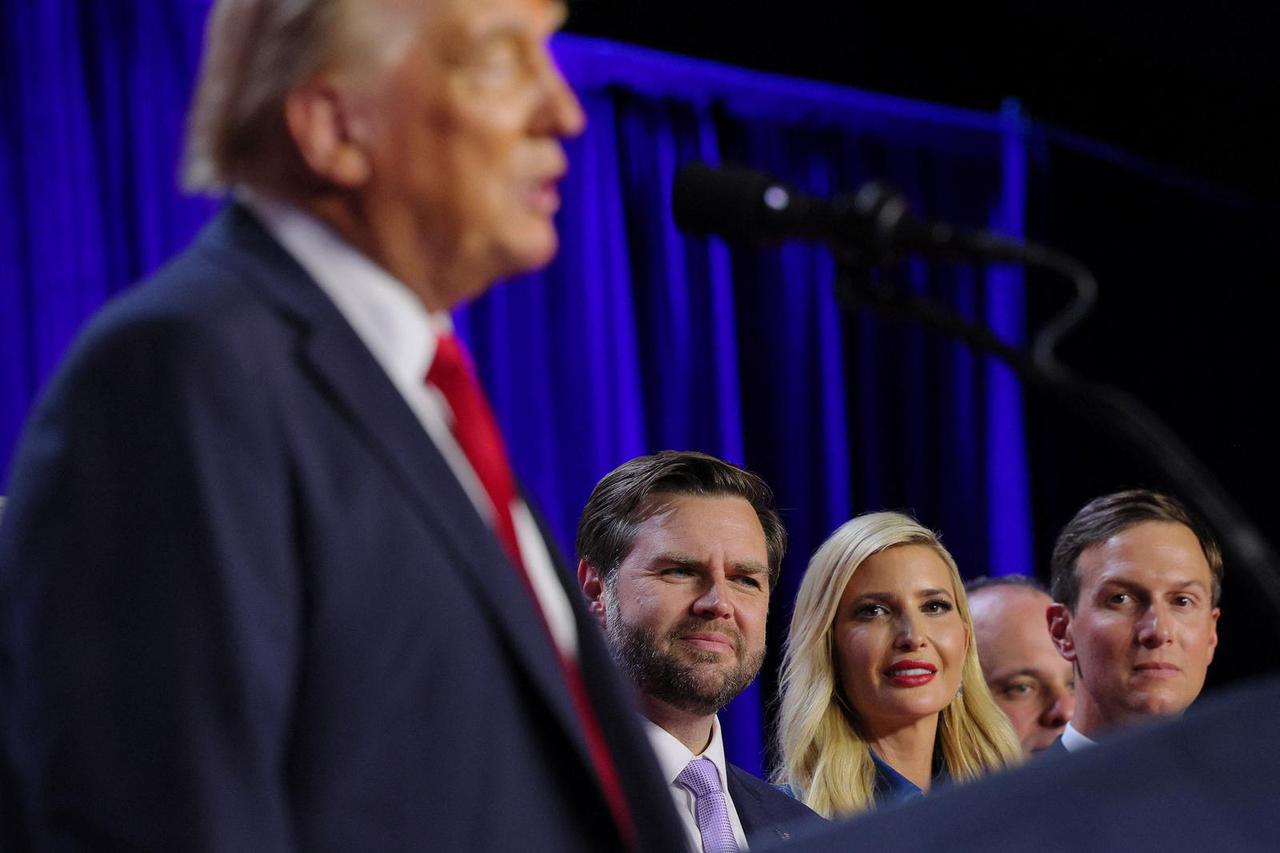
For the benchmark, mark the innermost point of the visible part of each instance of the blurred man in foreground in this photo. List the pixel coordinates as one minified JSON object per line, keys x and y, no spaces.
{"x":266,"y":579}
{"x":1029,"y":680}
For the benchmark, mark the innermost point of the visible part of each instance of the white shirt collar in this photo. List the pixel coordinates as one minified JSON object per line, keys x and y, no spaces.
{"x":1074,"y":741}
{"x":674,"y":756}
{"x":385,"y":313}
{"x":402,"y":336}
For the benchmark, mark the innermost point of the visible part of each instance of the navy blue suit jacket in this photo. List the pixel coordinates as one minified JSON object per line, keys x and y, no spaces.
{"x":1057,"y":748}
{"x":245,"y":605}
{"x":1204,"y":782}
{"x":767,"y":814}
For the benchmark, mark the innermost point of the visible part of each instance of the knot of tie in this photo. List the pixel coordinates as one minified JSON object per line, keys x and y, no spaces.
{"x":702,"y":779}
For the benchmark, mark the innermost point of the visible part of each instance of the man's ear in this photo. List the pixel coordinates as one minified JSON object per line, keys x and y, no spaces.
{"x":1213,"y":631}
{"x":1058,"y":618}
{"x":327,"y":133}
{"x":592,"y":586}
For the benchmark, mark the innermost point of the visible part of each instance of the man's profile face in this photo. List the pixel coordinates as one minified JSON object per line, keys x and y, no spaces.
{"x":685,"y":611}
{"x":1029,"y":680}
{"x":1144,"y":629}
{"x":464,"y":144}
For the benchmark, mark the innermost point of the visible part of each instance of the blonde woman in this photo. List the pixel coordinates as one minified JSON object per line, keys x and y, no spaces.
{"x":882,"y":694}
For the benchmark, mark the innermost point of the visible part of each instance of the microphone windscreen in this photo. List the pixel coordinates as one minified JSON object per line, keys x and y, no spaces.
{"x":742,"y":204}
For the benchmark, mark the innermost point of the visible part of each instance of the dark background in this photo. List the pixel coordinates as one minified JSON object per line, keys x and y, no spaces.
{"x":1181,"y":235}
{"x":1190,"y":84}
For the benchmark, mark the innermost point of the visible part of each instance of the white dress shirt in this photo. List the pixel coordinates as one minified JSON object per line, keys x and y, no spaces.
{"x":673,"y":757}
{"x":401,"y":334}
{"x":1074,"y":741}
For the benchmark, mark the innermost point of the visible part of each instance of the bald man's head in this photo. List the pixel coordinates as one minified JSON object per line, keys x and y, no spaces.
{"x":1030,"y":681}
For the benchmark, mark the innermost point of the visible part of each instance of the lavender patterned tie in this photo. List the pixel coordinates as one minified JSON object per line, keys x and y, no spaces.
{"x":701,"y":777}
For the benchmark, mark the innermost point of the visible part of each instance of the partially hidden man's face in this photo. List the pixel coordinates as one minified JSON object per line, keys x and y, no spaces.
{"x":1144,"y":629}
{"x":1029,"y":680}
{"x":685,"y":611}
{"x":464,"y":145}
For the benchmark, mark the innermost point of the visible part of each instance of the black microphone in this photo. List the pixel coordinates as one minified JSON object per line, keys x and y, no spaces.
{"x":750,"y":206}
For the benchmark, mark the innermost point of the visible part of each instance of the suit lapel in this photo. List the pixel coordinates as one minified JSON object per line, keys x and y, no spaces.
{"x":342,"y":366}
{"x":761,"y":820}
{"x":745,"y":801}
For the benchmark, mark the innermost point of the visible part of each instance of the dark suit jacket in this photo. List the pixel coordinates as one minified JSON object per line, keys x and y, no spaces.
{"x":1055,"y":749}
{"x":245,"y":605}
{"x":767,"y":814}
{"x":1204,"y":782}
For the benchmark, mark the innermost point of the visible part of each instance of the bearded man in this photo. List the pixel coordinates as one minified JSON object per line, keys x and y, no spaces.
{"x":678,"y":553}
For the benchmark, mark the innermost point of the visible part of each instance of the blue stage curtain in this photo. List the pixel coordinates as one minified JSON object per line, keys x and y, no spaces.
{"x":636,"y":338}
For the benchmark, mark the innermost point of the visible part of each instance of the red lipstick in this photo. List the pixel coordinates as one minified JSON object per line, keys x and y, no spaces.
{"x":910,"y":673}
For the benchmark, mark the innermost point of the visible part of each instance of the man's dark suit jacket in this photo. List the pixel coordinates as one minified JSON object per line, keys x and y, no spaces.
{"x":1204,"y":782}
{"x":245,"y":605}
{"x":1057,"y":748}
{"x":767,"y":814}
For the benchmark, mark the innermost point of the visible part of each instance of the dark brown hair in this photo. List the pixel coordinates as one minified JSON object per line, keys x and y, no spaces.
{"x":1104,"y":517}
{"x":620,"y":503}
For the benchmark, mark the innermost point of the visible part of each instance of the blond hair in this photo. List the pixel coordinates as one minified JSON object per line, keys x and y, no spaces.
{"x":825,"y":758}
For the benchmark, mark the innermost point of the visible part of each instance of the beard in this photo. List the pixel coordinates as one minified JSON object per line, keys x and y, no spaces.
{"x":688,"y":678}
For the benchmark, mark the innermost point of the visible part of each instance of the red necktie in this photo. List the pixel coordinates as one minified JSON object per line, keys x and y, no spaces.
{"x":476,"y":431}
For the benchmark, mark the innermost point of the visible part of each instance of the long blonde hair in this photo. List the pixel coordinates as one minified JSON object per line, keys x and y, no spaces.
{"x":825,"y":759}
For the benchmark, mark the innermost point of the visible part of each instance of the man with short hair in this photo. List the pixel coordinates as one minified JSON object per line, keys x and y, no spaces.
{"x":678,"y":554}
{"x":266,"y":579}
{"x":1136,"y":584}
{"x":1029,"y":680}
